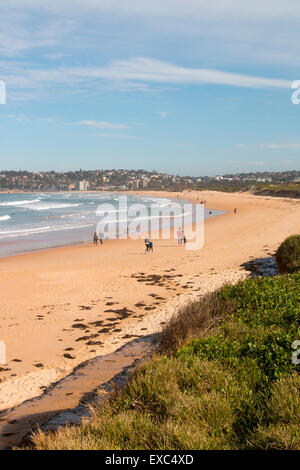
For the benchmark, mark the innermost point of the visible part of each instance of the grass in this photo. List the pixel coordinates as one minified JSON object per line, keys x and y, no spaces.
{"x":222,"y":378}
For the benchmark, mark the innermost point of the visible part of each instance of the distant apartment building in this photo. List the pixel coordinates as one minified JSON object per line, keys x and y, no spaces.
{"x":83,"y":185}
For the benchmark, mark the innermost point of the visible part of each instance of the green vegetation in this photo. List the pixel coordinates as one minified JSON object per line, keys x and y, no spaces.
{"x":288,"y":255}
{"x":222,"y":378}
{"x":280,"y":190}
{"x":224,"y":186}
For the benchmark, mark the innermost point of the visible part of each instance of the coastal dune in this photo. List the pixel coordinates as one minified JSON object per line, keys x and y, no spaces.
{"x":62,"y":306}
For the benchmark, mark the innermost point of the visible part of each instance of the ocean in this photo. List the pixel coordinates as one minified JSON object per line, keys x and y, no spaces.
{"x":35,"y":221}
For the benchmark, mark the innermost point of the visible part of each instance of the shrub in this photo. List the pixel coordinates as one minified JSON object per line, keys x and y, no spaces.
{"x":269,"y":302}
{"x":192,"y":321}
{"x":288,"y":255}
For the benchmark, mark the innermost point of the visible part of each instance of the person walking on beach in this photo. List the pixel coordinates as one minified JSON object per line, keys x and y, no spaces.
{"x":101,"y":236}
{"x":149,"y":247}
{"x":96,"y":238}
{"x":148,"y":244}
{"x":147,"y":241}
{"x":179,"y":236}
{"x":235,"y":210}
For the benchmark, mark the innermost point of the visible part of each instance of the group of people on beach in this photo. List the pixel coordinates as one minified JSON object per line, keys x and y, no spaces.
{"x":148,"y":243}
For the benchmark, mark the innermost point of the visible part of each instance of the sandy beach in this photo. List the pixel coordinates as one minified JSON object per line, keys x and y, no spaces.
{"x":62,"y":306}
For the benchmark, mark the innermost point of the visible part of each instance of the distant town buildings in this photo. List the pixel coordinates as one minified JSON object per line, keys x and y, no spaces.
{"x":123,"y":180}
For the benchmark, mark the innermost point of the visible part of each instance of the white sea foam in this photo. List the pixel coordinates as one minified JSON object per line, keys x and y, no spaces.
{"x":45,"y":206}
{"x":33,"y":231}
{"x":5,"y":217}
{"x":19,"y":203}
{"x":150,"y":217}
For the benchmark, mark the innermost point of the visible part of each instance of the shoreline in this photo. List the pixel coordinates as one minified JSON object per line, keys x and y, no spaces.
{"x":62,"y":241}
{"x":117,"y":291}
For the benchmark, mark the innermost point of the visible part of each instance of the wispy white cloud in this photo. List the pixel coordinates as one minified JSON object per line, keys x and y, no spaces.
{"x":272,"y":146}
{"x":292,"y":145}
{"x":55,"y":55}
{"x":137,"y":71}
{"x":25,"y":118}
{"x":20,"y":34}
{"x":163,"y":114}
{"x":230,"y":29}
{"x":20,"y":117}
{"x":273,"y":9}
{"x":104,"y":125}
{"x":150,"y":70}
{"x":116,"y":136}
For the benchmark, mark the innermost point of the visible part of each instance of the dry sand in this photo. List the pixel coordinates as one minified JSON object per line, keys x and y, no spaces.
{"x":62,"y":306}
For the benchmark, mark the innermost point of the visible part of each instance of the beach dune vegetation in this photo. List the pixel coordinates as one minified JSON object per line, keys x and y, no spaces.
{"x":222,"y":377}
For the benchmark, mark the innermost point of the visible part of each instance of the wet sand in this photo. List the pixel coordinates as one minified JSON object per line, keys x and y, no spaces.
{"x":63,"y":306}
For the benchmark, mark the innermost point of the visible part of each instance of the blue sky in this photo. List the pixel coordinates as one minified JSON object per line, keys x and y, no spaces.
{"x":186,"y":87}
